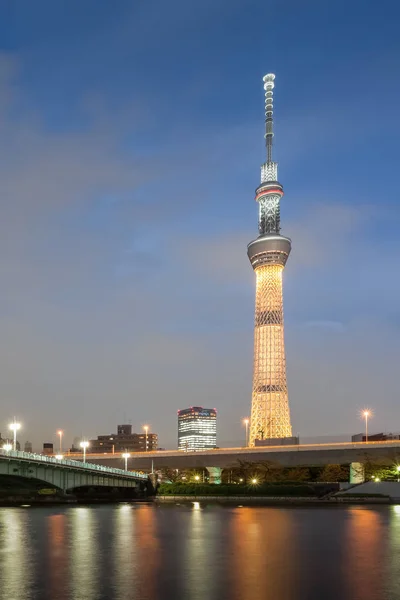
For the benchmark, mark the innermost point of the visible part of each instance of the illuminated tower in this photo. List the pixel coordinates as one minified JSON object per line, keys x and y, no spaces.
{"x":270,"y":416}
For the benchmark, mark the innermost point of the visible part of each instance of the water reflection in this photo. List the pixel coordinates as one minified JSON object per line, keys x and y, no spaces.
{"x":393,"y":579}
{"x":84,"y":553}
{"x":202,"y":534}
{"x":57,"y":553}
{"x":15,"y":554}
{"x":264,"y":554}
{"x":199,"y":552}
{"x":125,"y":553}
{"x":366,"y":551}
{"x":149,"y":558}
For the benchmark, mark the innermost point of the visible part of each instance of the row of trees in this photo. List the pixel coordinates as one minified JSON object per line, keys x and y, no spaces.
{"x":263,"y":472}
{"x":268,"y":472}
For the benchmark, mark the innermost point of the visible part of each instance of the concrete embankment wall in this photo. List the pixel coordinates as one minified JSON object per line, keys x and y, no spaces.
{"x":244,"y":500}
{"x":387,"y":488}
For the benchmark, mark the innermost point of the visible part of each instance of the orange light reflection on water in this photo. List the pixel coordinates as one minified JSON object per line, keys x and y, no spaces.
{"x":261,"y":553}
{"x":58,"y":557}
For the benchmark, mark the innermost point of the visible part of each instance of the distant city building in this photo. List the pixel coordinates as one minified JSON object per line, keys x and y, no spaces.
{"x":48,"y":448}
{"x":124,"y":429}
{"x":375,"y":437}
{"x":75,"y":444}
{"x":28,"y":447}
{"x":197,"y":428}
{"x":123,"y":440}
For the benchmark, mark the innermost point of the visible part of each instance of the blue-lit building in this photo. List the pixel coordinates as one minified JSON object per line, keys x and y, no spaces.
{"x":197,"y":429}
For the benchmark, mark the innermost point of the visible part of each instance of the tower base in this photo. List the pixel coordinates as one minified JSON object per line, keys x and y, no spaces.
{"x":286,"y":441}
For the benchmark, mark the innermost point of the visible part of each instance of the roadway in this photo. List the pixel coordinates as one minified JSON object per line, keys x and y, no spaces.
{"x":287,"y":456}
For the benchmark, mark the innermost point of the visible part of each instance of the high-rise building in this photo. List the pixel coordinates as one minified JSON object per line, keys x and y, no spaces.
{"x":270,"y":416}
{"x":197,"y":428}
{"x":123,"y":440}
{"x":28,"y":447}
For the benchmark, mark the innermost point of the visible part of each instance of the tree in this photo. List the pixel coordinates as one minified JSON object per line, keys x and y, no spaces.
{"x":333,"y":473}
{"x":298,"y":474}
{"x":170,"y":475}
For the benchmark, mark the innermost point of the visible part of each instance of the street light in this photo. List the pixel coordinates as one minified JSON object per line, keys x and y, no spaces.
{"x":146,"y":428}
{"x":84,"y":445}
{"x":7,"y":447}
{"x":254,"y":481}
{"x":246,"y":424}
{"x":59,"y":456}
{"x":126,"y":455}
{"x":366,"y":414}
{"x":60,"y":433}
{"x":197,"y":477}
{"x":14,"y":428}
{"x":398,"y":473}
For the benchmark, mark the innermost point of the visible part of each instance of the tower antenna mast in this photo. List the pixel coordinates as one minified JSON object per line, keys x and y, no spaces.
{"x":269,"y":113}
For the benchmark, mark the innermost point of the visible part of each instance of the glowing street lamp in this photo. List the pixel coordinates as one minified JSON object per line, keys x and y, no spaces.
{"x":246,"y":424}
{"x":59,"y":456}
{"x":7,"y":447}
{"x":366,"y":413}
{"x":14,"y":426}
{"x":398,"y":473}
{"x":60,"y":434}
{"x":126,"y":455}
{"x":197,"y":477}
{"x":146,"y":428}
{"x":254,"y":481}
{"x":84,"y":445}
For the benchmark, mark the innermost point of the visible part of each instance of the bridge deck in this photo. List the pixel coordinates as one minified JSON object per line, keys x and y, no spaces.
{"x":65,"y":463}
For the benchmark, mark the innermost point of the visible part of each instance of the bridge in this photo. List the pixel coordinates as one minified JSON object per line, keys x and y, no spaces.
{"x":355,"y":454}
{"x":67,"y":474}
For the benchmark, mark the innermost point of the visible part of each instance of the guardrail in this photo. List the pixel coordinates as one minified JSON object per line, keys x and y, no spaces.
{"x":70,"y":463}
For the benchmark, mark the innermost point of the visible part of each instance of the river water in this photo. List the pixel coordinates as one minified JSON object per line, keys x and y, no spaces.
{"x":196,"y":552}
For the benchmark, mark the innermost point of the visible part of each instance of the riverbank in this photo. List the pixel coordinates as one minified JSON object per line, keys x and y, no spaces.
{"x":276,"y":500}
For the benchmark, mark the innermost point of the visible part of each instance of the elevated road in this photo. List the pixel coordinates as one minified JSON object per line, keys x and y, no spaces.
{"x":287,"y":456}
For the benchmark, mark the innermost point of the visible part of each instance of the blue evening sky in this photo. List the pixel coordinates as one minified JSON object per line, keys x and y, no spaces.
{"x":131,"y":135}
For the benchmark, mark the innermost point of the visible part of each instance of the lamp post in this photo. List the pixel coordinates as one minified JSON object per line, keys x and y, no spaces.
{"x":59,"y":456}
{"x":126,"y":455}
{"x":84,"y":445}
{"x":366,"y":414}
{"x":7,"y":447}
{"x":60,"y":434}
{"x":14,"y":426}
{"x":246,"y":424}
{"x":146,"y":428}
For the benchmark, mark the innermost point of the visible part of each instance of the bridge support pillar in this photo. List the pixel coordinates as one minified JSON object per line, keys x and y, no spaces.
{"x":215,"y":474}
{"x":357,"y":472}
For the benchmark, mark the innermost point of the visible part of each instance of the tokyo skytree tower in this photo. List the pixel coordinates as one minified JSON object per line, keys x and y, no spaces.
{"x":270,"y":416}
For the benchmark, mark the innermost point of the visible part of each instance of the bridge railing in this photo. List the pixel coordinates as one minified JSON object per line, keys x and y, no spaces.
{"x":71,"y":463}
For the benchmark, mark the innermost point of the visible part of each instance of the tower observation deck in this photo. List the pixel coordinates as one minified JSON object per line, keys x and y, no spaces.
{"x":270,"y":415}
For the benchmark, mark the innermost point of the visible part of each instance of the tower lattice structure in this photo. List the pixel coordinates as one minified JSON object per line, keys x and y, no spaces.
{"x":270,"y":415}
